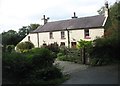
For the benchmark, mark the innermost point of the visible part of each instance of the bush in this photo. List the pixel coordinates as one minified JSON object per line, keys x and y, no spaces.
{"x":32,"y":67}
{"x":105,"y":50}
{"x":24,"y":46}
{"x":46,"y":74}
{"x":53,"y":47}
{"x":72,"y":55}
{"x":15,"y":67}
{"x":10,"y":48}
{"x":43,"y":57}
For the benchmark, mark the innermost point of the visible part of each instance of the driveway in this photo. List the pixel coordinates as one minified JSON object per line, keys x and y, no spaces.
{"x":82,"y":74}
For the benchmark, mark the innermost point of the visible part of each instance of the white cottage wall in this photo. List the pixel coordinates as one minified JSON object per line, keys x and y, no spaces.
{"x":33,"y":39}
{"x":44,"y":38}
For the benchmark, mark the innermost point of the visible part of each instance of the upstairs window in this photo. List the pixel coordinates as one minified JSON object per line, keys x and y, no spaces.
{"x":62,"y":35}
{"x":51,"y":35}
{"x":86,"y":32}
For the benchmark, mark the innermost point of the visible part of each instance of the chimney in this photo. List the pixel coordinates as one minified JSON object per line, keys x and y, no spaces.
{"x":45,"y":19}
{"x":74,"y":16}
{"x":106,"y":9}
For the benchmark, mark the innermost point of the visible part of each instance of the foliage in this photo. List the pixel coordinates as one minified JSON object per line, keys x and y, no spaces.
{"x":23,"y":32}
{"x":106,"y":49}
{"x":10,"y":38}
{"x":24,"y":46}
{"x":52,"y":47}
{"x":16,"y":67}
{"x":113,"y":21}
{"x":33,"y":67}
{"x":32,"y":27}
{"x":72,"y":55}
{"x":10,"y":48}
{"x":83,"y":43}
{"x":42,"y":57}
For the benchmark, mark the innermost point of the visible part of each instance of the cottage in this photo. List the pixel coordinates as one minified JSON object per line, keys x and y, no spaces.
{"x":68,"y":32}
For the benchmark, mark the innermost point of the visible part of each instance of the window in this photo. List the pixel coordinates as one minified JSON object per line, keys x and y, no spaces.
{"x":62,"y":35}
{"x":86,"y":34}
{"x":51,"y":35}
{"x":62,"y":44}
{"x":28,"y":38}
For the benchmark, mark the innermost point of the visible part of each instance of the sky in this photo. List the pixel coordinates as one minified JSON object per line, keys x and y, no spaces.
{"x":17,"y":13}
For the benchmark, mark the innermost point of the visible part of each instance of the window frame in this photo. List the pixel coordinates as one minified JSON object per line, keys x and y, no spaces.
{"x":87,"y":34}
{"x":62,"y":34}
{"x":51,"y":35}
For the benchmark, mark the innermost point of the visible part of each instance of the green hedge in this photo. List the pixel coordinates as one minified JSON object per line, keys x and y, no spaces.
{"x":24,"y":46}
{"x":32,"y":67}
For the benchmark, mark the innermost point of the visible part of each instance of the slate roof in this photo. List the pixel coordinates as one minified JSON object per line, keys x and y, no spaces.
{"x":72,"y":24}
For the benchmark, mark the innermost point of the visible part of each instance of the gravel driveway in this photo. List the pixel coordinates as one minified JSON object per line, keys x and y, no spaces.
{"x":82,"y":74}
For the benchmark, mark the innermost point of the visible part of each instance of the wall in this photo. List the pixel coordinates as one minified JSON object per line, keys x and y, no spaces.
{"x":44,"y":37}
{"x":33,"y":39}
{"x":75,"y":35}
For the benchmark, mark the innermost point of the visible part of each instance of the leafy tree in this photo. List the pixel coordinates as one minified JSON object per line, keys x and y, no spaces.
{"x":32,"y":27}
{"x":23,"y":32}
{"x":83,"y":43}
{"x":113,"y":22}
{"x":10,"y":38}
{"x":106,"y":49}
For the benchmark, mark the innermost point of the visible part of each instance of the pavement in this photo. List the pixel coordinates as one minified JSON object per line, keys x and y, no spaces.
{"x":83,"y":74}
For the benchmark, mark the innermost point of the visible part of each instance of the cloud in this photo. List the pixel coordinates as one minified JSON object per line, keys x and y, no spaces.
{"x":18,"y":13}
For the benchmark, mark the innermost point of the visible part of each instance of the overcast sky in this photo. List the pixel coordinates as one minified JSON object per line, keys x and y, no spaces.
{"x":17,"y":13}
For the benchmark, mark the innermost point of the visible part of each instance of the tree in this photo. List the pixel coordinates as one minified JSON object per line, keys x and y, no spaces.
{"x":106,"y":49}
{"x":10,"y":38}
{"x":84,"y":47}
{"x":113,"y":22}
{"x":23,"y":32}
{"x":32,"y":27}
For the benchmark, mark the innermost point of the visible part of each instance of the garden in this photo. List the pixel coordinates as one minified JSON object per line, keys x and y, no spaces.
{"x":30,"y":66}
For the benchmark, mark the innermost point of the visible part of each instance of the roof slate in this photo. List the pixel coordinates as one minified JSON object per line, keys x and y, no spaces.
{"x":72,"y":24}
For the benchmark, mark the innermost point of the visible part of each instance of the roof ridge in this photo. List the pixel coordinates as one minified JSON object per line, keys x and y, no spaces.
{"x":74,"y":18}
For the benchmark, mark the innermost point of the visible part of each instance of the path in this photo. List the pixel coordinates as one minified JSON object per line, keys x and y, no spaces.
{"x":81,"y":74}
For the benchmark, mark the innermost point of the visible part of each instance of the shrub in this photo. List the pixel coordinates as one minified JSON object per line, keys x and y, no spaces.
{"x":105,"y":50}
{"x":10,"y":48}
{"x":24,"y":46}
{"x":33,"y":67}
{"x":53,"y":47}
{"x":16,"y":66}
{"x":44,"y":58}
{"x":46,"y":74}
{"x":72,"y":55}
